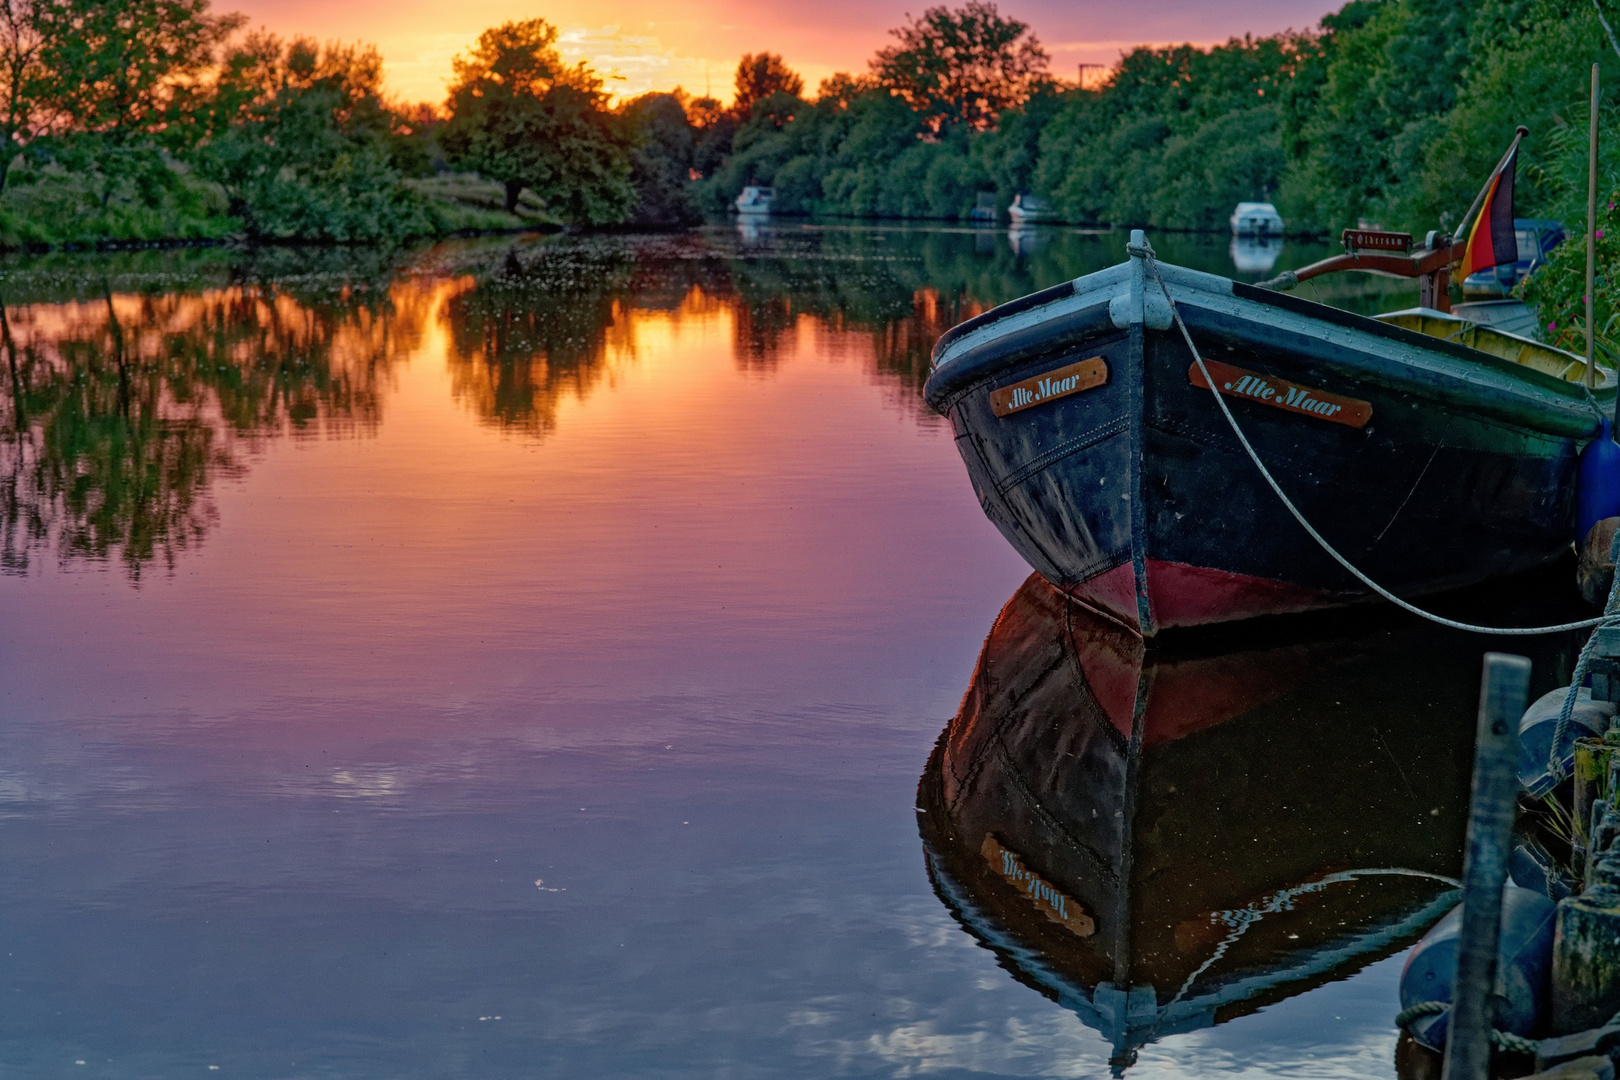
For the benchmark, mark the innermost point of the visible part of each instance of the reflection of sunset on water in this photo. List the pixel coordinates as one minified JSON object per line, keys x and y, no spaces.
{"x":128,"y":411}
{"x":635,"y":453}
{"x":632,"y":566}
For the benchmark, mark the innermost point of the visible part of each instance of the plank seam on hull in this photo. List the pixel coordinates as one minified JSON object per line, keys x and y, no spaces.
{"x":1096,"y":569}
{"x":1051,"y":457}
{"x":1006,"y":512}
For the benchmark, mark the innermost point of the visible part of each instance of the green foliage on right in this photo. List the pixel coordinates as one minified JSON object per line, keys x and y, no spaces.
{"x":1393,"y":112}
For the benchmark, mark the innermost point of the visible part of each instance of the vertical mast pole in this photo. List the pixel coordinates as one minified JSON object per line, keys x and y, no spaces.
{"x":1591,"y":232}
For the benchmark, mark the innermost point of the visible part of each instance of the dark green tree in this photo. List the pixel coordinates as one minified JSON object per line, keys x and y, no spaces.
{"x":126,"y":75}
{"x":661,"y":161}
{"x":1393,"y":72}
{"x":520,"y":115}
{"x":301,"y":143}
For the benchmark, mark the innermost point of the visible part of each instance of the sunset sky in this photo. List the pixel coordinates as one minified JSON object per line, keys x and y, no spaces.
{"x":658,"y":44}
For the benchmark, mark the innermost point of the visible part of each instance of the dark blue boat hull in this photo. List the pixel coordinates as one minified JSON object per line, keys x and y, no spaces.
{"x":1136,"y":496}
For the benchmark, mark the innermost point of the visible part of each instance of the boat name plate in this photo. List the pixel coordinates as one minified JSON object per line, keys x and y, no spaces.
{"x":1270,"y":390}
{"x":1376,"y":240}
{"x":1055,"y":905}
{"x":1039,"y":389}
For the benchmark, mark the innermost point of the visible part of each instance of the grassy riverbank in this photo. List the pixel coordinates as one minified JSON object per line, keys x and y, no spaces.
{"x":46,"y":209}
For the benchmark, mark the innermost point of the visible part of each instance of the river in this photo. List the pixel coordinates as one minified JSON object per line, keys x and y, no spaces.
{"x":520,"y":658}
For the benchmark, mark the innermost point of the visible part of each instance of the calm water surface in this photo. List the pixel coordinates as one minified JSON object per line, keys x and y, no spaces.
{"x":519,"y":658}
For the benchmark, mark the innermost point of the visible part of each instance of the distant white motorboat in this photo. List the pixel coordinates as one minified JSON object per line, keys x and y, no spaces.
{"x":756,"y":199}
{"x":1256,"y":219}
{"x":1027,"y":209}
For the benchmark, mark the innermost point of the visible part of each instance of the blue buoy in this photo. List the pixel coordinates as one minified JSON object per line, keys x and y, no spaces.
{"x":1523,"y":964}
{"x":1597,"y":488}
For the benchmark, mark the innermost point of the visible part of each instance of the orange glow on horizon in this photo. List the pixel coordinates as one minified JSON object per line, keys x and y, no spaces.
{"x":641,"y":46}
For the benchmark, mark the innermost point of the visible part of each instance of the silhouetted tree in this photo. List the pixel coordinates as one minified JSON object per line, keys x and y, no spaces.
{"x":661,"y":161}
{"x":713,"y":127}
{"x":962,"y":66}
{"x":25,"y":98}
{"x":759,"y":76}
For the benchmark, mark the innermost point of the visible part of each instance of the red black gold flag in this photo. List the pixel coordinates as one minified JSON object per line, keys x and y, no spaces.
{"x":1491,"y":241}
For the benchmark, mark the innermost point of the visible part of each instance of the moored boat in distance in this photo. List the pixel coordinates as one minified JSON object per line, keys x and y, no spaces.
{"x":1256,"y":219}
{"x":755,"y":199}
{"x":1027,"y":209}
{"x":1431,"y":452}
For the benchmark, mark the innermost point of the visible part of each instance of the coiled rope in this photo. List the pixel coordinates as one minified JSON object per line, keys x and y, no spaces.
{"x":1146,"y":252}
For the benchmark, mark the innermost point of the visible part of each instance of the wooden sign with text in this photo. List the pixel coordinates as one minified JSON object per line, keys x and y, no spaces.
{"x":1070,"y":379}
{"x":1281,"y":394}
{"x":1373,"y":240}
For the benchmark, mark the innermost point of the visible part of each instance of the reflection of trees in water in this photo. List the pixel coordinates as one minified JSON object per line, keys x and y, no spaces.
{"x":899,"y":304}
{"x":122,"y":414}
{"x":763,"y":321}
{"x":525,"y":334}
{"x":118,"y":419}
{"x":541,"y":321}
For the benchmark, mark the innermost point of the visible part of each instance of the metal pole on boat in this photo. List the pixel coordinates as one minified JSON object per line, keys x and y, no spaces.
{"x":1591,"y":232}
{"x":1504,"y":687}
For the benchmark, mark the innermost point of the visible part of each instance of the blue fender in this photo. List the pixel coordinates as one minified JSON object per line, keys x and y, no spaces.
{"x":1597,"y":485}
{"x":1523,"y":967}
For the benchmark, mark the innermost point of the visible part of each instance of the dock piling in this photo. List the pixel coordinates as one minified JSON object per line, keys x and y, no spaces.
{"x":1504,"y":691}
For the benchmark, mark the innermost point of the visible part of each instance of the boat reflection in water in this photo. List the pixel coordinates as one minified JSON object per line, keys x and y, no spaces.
{"x":1255,"y":254}
{"x":1165,"y":841}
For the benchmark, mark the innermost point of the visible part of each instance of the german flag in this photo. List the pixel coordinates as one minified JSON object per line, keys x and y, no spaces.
{"x":1491,"y":242}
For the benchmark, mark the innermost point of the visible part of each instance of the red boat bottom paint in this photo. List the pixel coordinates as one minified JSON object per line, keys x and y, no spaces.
{"x":1183,"y":595}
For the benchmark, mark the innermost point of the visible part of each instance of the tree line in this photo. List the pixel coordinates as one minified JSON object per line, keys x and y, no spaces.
{"x":131,"y":119}
{"x":1391,"y":112}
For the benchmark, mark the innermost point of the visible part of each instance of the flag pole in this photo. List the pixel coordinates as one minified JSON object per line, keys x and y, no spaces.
{"x":1591,"y":232}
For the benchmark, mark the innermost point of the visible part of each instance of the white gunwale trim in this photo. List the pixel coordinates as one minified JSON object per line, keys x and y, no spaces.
{"x":1214,"y":294}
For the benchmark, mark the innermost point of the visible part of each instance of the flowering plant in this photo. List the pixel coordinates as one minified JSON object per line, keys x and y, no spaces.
{"x":1557,"y":290}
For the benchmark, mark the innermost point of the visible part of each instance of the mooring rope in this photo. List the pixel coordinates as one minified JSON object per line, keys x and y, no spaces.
{"x":1502,"y":1040}
{"x":1611,"y":609}
{"x":1146,"y":252}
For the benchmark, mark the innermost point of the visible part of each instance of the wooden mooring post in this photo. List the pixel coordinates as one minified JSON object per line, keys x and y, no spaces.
{"x":1504,"y":690}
